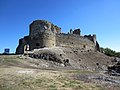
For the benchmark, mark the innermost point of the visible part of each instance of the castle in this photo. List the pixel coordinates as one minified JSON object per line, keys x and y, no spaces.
{"x":45,"y":34}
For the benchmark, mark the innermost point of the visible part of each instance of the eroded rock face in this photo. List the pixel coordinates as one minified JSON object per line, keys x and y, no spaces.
{"x":47,"y":56}
{"x":115,"y":68}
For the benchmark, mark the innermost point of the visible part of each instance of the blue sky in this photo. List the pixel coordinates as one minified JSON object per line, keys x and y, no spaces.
{"x":100,"y":17}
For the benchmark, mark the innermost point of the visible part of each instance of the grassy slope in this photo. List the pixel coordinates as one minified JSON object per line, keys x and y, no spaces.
{"x":11,"y":79}
{"x":19,"y":78}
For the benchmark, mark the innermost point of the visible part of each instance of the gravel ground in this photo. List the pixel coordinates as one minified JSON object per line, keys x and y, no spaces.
{"x":107,"y":81}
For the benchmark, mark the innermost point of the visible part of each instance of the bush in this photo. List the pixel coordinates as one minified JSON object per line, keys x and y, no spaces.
{"x":110,"y":52}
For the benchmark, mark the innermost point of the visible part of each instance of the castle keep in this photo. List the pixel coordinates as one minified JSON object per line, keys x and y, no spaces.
{"x":45,"y":34}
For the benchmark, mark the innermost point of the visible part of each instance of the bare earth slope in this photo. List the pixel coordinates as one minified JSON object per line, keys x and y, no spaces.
{"x":19,"y":72}
{"x":77,"y":59}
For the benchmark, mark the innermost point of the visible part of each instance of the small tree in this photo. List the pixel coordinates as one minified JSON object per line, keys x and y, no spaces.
{"x":110,"y":52}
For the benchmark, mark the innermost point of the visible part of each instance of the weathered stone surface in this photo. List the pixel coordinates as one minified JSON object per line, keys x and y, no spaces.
{"x":22,"y":42}
{"x":115,"y":67}
{"x":45,"y":34}
{"x":76,"y":31}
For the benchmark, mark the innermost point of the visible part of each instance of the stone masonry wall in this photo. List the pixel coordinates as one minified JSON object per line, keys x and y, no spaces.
{"x":45,"y":34}
{"x":74,"y":41}
{"x":22,"y":42}
{"x":43,"y":40}
{"x":42,"y":34}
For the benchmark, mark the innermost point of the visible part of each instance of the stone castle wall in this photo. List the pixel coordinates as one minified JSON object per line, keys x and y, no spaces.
{"x":22,"y":42}
{"x":40,"y":26}
{"x":44,"y":40}
{"x":45,"y":34}
{"x":42,"y":34}
{"x":74,"y":41}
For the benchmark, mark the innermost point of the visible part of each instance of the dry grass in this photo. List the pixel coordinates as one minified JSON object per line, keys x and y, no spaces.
{"x":19,"y":78}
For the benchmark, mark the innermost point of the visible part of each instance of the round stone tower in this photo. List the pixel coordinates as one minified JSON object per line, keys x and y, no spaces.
{"x":42,"y":34}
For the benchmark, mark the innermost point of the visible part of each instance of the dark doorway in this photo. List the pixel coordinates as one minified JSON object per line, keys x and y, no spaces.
{"x":37,"y":44}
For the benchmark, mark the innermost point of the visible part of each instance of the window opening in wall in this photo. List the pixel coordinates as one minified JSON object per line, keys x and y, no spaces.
{"x":84,"y":46}
{"x":37,"y":44}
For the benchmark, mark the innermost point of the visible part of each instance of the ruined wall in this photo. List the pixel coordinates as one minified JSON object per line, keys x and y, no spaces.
{"x":76,"y":31}
{"x":94,"y":39}
{"x":45,"y":34}
{"x":42,"y":34}
{"x":91,"y":37}
{"x":74,"y":41}
{"x":43,"y":40}
{"x":40,"y":26}
{"x":22,"y":42}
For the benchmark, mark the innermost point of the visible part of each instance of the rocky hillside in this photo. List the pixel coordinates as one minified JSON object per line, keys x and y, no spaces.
{"x":73,"y":58}
{"x":19,"y":72}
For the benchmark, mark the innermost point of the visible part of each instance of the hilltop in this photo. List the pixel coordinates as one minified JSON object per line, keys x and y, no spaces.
{"x":48,"y":59}
{"x":22,"y":72}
